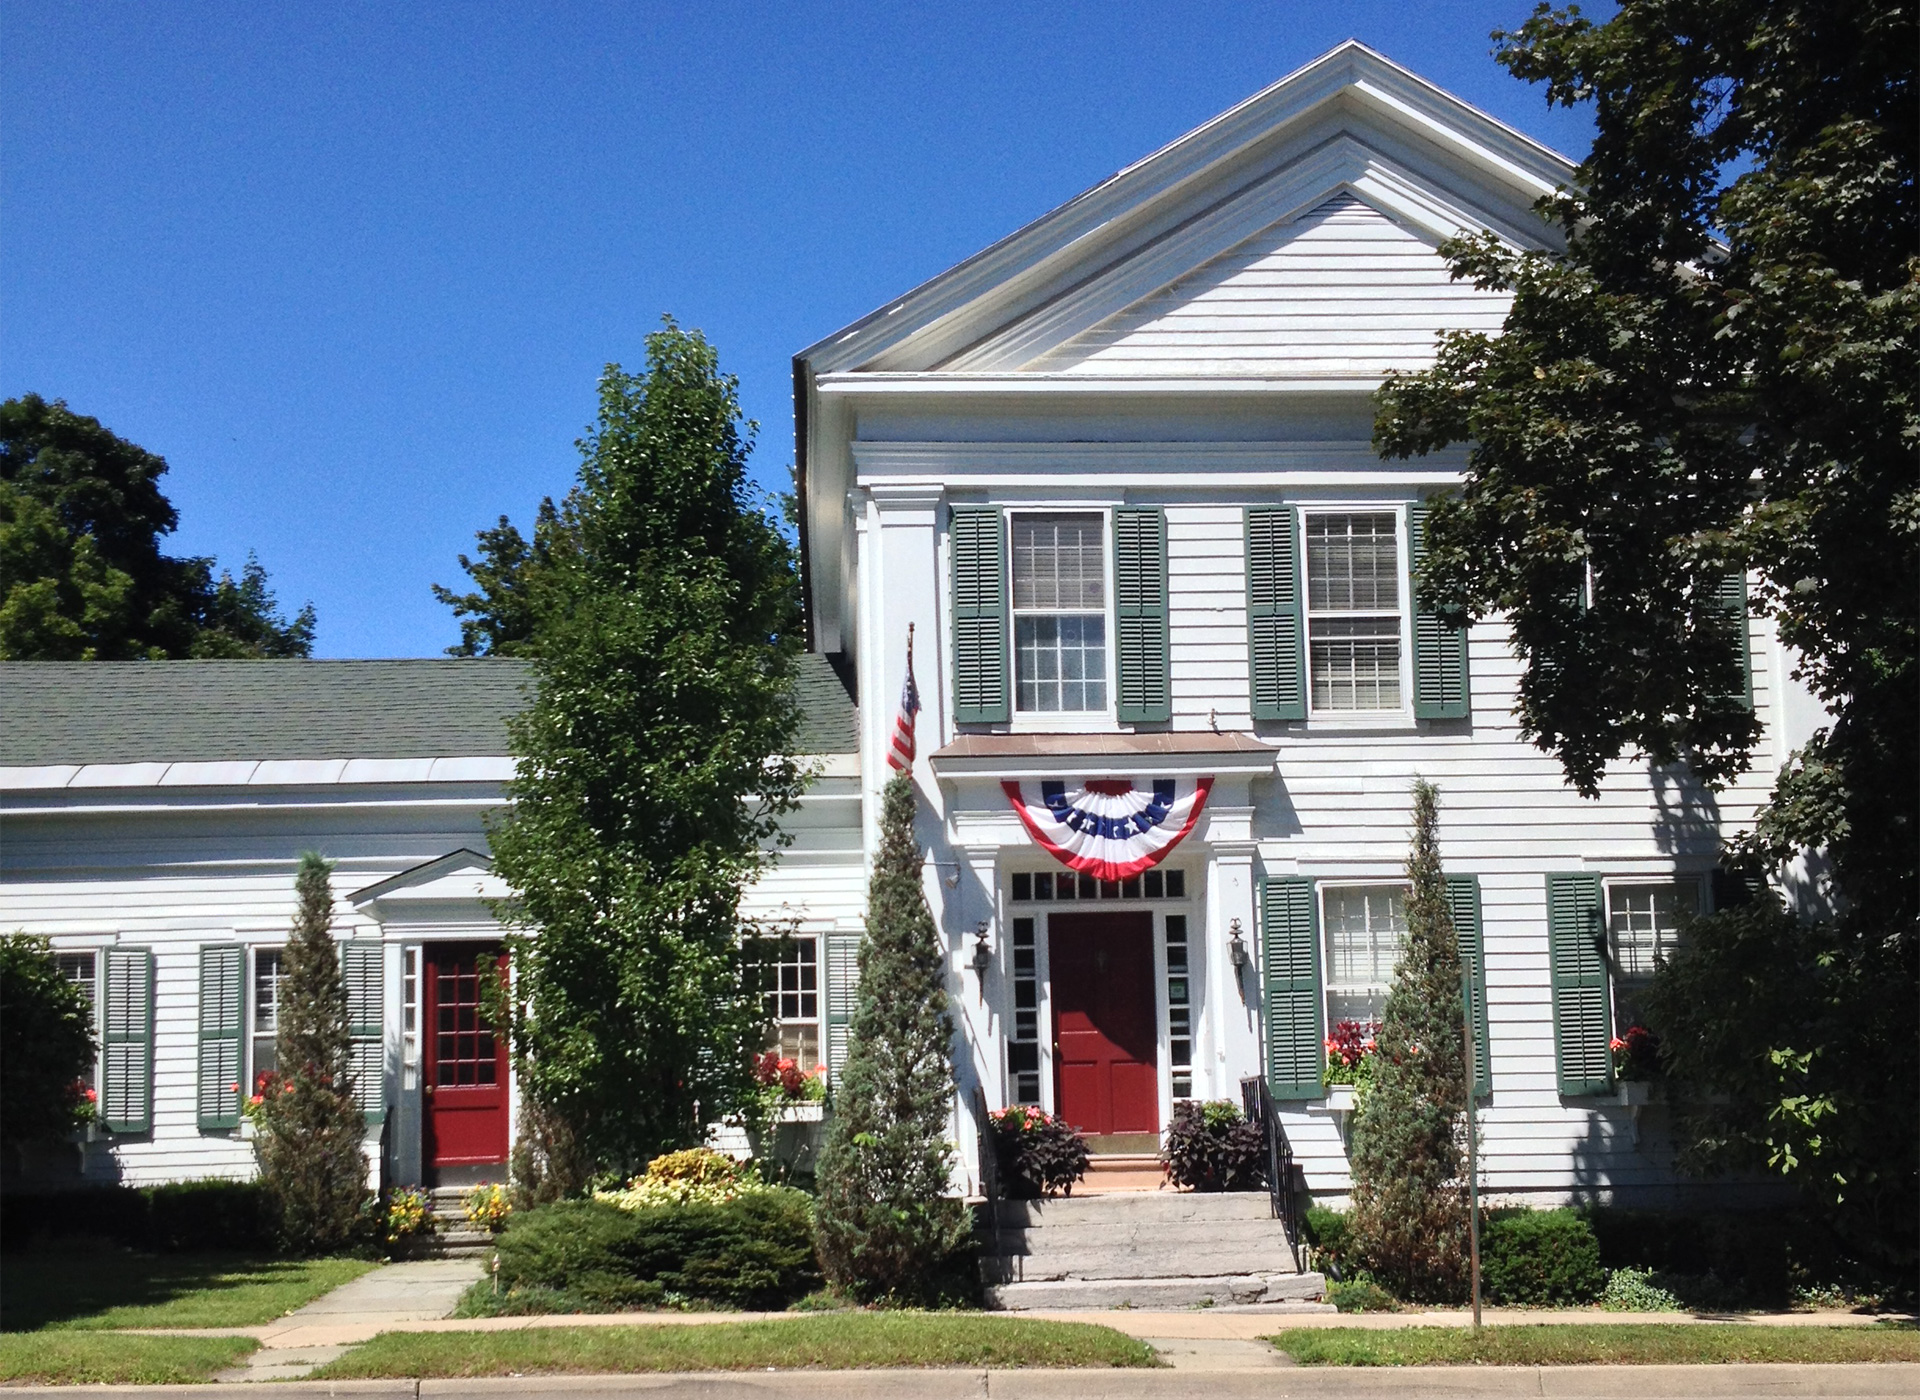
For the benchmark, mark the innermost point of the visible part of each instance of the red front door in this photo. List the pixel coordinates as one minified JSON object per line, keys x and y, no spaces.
{"x":1100,"y":971}
{"x":465,"y":1062}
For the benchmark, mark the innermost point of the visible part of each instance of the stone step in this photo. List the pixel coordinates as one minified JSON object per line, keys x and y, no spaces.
{"x":1283,"y":1293}
{"x":1207,"y":1258}
{"x":1157,"y":1207}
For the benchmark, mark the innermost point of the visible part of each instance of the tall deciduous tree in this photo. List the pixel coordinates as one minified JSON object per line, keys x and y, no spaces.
{"x":888,"y":1223}
{"x":651,"y":766}
{"x":1717,"y":377}
{"x":82,"y":577}
{"x":1409,"y":1214}
{"x":310,"y":1143}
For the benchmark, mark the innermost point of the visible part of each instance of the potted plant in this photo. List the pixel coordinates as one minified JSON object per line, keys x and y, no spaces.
{"x":1636,"y":1064}
{"x":1037,"y":1155}
{"x":785,"y":1121}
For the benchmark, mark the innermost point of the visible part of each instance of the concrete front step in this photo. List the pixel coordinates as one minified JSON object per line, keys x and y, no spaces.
{"x":1172,"y":1259}
{"x":1283,"y":1293}
{"x":1147,"y":1207}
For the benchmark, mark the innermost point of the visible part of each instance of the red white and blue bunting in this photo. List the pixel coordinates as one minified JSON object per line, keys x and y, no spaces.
{"x":1111,"y":828}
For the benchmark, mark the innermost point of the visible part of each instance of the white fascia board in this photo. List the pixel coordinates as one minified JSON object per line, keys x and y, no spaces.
{"x":221,"y":774}
{"x":1157,"y":466}
{"x":278,"y":773}
{"x":46,"y":776}
{"x":858,"y":383}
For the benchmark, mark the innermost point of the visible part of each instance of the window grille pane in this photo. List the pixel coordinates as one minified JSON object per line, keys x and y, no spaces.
{"x":1644,"y":923}
{"x":266,"y":990}
{"x":1059,"y":562}
{"x":1356,"y":663}
{"x":792,"y":1000}
{"x":1353,"y":563}
{"x":1365,"y":928}
{"x":1061,"y":662}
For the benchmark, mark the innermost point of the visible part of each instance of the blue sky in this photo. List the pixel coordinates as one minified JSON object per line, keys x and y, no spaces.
{"x":353,"y":268}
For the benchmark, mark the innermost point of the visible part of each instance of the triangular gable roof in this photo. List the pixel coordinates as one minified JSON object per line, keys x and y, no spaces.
{"x":462,"y":874}
{"x":1351,"y":119}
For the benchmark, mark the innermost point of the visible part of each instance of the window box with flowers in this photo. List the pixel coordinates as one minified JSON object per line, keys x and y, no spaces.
{"x":786,"y":1122}
{"x":1350,"y":1061}
{"x":1636,"y":1065}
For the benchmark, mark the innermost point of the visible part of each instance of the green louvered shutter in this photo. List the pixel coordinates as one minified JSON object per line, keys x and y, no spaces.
{"x":843,"y":988}
{"x":1290,"y":932}
{"x":1730,"y":600}
{"x":980,"y":691}
{"x":221,"y":981}
{"x":126,"y":1051}
{"x":1140,"y":614}
{"x":1440,"y":688}
{"x":1463,"y":901}
{"x":1276,"y":658}
{"x":363,"y":967}
{"x":1577,"y":955}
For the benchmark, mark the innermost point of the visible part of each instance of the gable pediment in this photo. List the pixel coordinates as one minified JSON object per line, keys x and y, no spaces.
{"x":460,"y":878}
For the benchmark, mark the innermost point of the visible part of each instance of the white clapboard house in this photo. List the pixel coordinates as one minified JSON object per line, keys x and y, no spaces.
{"x":1115,"y":473}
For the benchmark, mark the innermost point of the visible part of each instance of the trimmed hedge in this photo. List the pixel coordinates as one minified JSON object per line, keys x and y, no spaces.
{"x":233,"y":1216}
{"x":1539,"y":1258}
{"x":755,"y":1251}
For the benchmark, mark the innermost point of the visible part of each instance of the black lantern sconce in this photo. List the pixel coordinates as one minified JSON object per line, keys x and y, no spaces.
{"x":1237,"y":947}
{"x":982,"y":956}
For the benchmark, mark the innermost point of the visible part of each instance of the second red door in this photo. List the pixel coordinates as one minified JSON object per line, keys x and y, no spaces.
{"x":1100,"y":975}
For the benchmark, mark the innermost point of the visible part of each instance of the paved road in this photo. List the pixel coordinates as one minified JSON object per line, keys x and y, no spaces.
{"x":1277,"y":1383}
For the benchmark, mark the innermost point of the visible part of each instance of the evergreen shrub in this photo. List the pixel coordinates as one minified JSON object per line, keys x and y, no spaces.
{"x":1327,"y":1233}
{"x":177,"y":1217}
{"x":1212,"y":1147}
{"x":756,"y":1251}
{"x":1539,"y":1258}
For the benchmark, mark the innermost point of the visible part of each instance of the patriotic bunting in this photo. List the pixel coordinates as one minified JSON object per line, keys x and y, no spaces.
{"x":1110,"y":828}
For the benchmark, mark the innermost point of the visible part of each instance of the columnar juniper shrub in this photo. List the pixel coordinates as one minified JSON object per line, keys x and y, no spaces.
{"x":1409,"y":1216}
{"x":1212,"y":1147}
{"x":1037,"y":1155}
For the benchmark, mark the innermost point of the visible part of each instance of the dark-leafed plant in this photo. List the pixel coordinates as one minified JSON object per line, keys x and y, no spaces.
{"x":889,"y":1223}
{"x":1037,"y":1155}
{"x":1408,"y":1219}
{"x":311,"y":1131}
{"x":1212,"y":1147}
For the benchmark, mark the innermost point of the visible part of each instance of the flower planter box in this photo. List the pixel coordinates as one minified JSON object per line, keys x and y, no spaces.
{"x":1341,"y":1098}
{"x":1634,"y":1093}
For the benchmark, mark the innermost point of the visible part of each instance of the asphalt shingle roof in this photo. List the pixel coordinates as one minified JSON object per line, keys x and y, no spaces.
{"x":59,"y":712}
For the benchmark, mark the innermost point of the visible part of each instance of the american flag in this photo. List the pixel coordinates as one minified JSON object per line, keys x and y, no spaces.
{"x":900,"y":752}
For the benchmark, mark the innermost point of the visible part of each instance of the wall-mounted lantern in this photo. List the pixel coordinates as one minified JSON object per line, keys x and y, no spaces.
{"x":1237,"y":947}
{"x":982,"y":955}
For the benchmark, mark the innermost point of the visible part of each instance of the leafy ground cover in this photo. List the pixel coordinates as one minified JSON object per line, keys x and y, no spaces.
{"x":106,"y":1287}
{"x":854,"y":1341}
{"x":1620,"y":1344}
{"x":70,"y":1358}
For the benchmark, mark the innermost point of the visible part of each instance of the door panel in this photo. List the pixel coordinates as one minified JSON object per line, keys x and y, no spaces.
{"x":465,"y":1063}
{"x":1104,"y":1028}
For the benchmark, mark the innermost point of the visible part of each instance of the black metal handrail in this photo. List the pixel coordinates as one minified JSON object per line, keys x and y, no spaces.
{"x":1257,"y":1099}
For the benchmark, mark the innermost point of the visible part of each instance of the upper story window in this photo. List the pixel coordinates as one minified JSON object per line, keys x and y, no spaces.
{"x":1060,"y":613}
{"x":1643,"y":928}
{"x":1354,"y":610}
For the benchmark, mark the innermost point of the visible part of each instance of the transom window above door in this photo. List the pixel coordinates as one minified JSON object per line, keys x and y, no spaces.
{"x":1354,"y":610}
{"x":1060,"y":613}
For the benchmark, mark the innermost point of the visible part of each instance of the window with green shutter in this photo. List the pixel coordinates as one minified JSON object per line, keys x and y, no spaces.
{"x":126,"y":1050}
{"x":1440,"y":684}
{"x":1577,"y":958}
{"x":1140,"y":603}
{"x":1730,"y":602}
{"x":1463,"y":902}
{"x":1275,"y":658}
{"x":1290,"y":960}
{"x":843,"y":987}
{"x":977,"y":540}
{"x":221,"y":986}
{"x":363,"y":967}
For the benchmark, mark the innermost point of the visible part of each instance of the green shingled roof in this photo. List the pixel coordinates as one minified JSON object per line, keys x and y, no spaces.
{"x":59,"y":712}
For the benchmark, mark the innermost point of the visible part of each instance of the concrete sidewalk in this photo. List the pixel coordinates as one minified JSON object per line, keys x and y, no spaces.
{"x":1276,"y":1383}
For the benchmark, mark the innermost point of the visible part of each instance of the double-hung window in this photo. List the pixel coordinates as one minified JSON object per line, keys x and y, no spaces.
{"x":1354,"y":597}
{"x":263,"y":1014}
{"x":1366,"y":926}
{"x":1643,"y":928}
{"x":792,"y":1002}
{"x":1060,"y":613}
{"x":82,"y":969}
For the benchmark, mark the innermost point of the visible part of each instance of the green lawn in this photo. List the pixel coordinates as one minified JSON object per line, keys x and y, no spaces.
{"x":1620,"y":1344}
{"x":835,"y":1342}
{"x":105,"y":1287}
{"x":69,"y":1358}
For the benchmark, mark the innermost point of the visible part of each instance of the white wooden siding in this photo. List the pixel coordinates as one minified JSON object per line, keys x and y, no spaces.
{"x":1341,"y":288}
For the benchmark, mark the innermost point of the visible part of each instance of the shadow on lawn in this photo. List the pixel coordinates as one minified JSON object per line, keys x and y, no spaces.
{"x":72,"y":1286}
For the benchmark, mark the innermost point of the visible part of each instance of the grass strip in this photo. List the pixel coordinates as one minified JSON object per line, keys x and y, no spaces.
{"x":1597,"y":1344}
{"x":106,"y":1287}
{"x":73,"y":1358}
{"x":856,"y":1341}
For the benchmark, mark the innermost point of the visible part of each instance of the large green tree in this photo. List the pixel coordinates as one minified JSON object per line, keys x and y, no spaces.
{"x":82,"y":577}
{"x":662,"y":618}
{"x":46,"y":1044}
{"x":1716,"y":377}
{"x":889,"y":1224}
